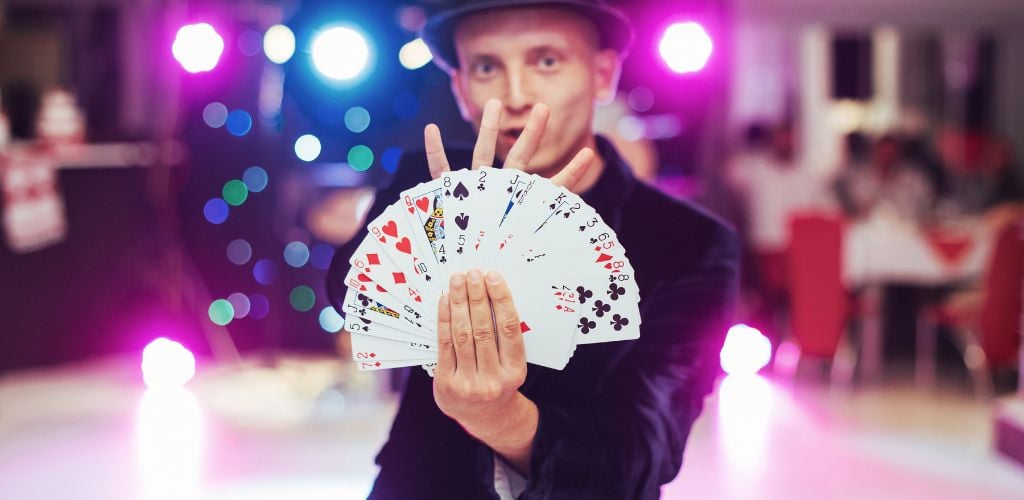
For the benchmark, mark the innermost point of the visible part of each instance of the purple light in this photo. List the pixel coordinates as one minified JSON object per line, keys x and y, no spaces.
{"x":746,"y":351}
{"x":259,"y":306}
{"x":197,"y":47}
{"x":167,"y":364}
{"x":685,"y":47}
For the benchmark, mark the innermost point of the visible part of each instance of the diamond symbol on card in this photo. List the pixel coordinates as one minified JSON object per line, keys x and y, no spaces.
{"x":399,"y":278}
{"x":377,"y":364}
{"x":373,"y":259}
{"x":373,"y":355}
{"x":524,"y":327}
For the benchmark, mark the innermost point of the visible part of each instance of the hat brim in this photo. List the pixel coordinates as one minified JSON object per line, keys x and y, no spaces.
{"x":613,"y":27}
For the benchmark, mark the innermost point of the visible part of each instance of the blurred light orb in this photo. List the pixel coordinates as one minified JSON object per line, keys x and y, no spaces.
{"x":255,"y":179}
{"x":264,"y":271}
{"x":630,"y":128}
{"x":239,"y":252}
{"x":239,"y":122}
{"x":360,"y":158}
{"x":259,"y":306}
{"x":302,"y":298}
{"x":296,"y":254}
{"x":746,"y":351}
{"x":216,"y":211}
{"x":641,"y":99}
{"x":250,"y":43}
{"x":685,"y":47}
{"x":389,"y":159}
{"x":411,"y":18}
{"x":340,"y":53}
{"x":221,"y":312}
{"x":415,"y":54}
{"x":167,"y":364}
{"x":307,"y":147}
{"x":215,"y":115}
{"x":320,"y":256}
{"x":330,"y":320}
{"x":197,"y":47}
{"x":279,"y":43}
{"x":235,"y":192}
{"x":357,"y":119}
{"x":240,"y":303}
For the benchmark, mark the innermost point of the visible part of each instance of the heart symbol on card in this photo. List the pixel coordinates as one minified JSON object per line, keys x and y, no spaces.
{"x":423,"y":204}
{"x":364,"y":278}
{"x":390,"y":229}
{"x":381,"y":289}
{"x":460,"y":191}
{"x":462,"y":220}
{"x":404,"y":246}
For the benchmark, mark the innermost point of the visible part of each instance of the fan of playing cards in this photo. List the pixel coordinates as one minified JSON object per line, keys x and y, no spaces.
{"x":569,"y":276}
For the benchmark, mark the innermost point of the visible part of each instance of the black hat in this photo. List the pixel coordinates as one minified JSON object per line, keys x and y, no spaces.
{"x":613,"y":26}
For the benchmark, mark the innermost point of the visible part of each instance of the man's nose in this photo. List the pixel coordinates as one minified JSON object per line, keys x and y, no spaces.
{"x":520,"y":96}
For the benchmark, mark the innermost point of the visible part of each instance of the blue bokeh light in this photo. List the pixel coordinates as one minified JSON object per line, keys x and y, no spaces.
{"x":320,"y":256}
{"x":296,"y":254}
{"x":255,"y":178}
{"x":265,"y":271}
{"x":389,"y":159}
{"x":216,"y":211}
{"x":239,"y":122}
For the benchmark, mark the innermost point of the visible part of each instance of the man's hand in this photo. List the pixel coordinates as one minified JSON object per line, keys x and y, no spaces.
{"x":520,"y":154}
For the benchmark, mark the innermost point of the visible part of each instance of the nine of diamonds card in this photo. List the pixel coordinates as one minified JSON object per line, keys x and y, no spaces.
{"x":570,"y":278}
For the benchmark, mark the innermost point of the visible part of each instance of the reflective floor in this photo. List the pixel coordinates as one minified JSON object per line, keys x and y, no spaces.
{"x":308,"y":429}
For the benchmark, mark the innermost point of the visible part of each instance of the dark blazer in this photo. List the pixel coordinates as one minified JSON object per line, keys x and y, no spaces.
{"x":614,"y":422}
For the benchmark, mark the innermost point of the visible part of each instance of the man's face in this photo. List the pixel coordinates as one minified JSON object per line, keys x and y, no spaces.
{"x":525,"y":56}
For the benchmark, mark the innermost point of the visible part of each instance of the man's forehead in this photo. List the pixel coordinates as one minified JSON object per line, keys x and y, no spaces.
{"x":523,"y":28}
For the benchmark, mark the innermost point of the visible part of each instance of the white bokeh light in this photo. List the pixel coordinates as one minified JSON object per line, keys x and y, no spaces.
{"x":279,"y":43}
{"x":745,"y":351}
{"x":166,"y":363}
{"x":197,"y":47}
{"x":415,"y":54}
{"x":340,"y":53}
{"x":685,"y":47}
{"x":307,"y":147}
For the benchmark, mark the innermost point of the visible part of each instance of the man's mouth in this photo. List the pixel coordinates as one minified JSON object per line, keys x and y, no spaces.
{"x":511,"y":134}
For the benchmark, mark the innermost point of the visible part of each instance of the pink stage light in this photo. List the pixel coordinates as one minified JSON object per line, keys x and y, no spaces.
{"x":685,"y":47}
{"x":746,"y":351}
{"x":197,"y":47}
{"x":166,"y":363}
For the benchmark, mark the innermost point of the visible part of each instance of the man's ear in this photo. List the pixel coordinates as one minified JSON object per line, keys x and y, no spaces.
{"x":607,"y":68}
{"x":455,"y":82}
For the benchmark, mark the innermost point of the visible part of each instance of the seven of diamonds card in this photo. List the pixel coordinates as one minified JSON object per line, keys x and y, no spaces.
{"x":570,"y":278}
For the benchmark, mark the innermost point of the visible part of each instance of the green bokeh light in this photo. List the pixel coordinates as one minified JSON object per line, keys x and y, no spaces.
{"x":221,"y":312}
{"x":302,"y":298}
{"x":360,"y":158}
{"x":235,"y":192}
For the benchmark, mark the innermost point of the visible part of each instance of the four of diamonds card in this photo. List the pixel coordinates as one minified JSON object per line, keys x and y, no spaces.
{"x":570,"y":279}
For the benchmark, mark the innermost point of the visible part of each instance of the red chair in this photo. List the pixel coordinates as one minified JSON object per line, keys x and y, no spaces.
{"x":987,"y":326}
{"x":819,"y":305}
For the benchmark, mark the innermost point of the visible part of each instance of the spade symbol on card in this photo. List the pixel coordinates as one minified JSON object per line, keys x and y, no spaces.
{"x":460,"y":191}
{"x":462,"y":220}
{"x":509,"y":190}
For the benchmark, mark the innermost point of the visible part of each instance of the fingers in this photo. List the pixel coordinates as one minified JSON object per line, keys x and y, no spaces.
{"x":521,"y":152}
{"x":462,"y":325}
{"x":446,"y":362}
{"x":437,"y":161}
{"x":483,"y":325}
{"x":573,"y":172}
{"x":483,"y":153}
{"x":510,"y":335}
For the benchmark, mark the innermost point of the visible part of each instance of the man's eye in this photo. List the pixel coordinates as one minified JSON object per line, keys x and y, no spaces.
{"x":484,"y":68}
{"x":548,"y":62}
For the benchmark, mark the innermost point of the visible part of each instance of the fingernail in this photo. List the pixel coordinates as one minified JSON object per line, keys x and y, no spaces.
{"x":494,"y":277}
{"x":474,"y":277}
{"x":458,"y":280}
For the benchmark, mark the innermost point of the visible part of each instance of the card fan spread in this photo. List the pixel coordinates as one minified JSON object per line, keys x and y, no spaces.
{"x":570,"y":279}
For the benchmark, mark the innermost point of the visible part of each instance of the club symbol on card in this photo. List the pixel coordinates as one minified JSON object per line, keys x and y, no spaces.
{"x":364,"y":300}
{"x":600,"y":308}
{"x":618,"y":322}
{"x":459,"y":251}
{"x":615,"y":291}
{"x":462,"y":220}
{"x":592,"y":240}
{"x":480,"y":187}
{"x":584,"y":294}
{"x":443,"y":259}
{"x":586,"y":325}
{"x":460,"y":191}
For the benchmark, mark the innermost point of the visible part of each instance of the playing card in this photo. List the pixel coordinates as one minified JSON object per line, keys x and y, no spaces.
{"x":547,"y":309}
{"x":363,"y":326}
{"x":393,"y":233}
{"x":371,"y":365}
{"x":367,"y":347}
{"x":378,"y":267}
{"x":424,"y":206}
{"x":460,"y":220}
{"x":363,"y":305}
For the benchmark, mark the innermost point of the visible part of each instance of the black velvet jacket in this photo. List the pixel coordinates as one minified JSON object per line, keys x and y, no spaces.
{"x":613,"y":424}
